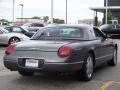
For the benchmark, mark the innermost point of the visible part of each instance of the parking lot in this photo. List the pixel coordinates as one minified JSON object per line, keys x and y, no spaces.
{"x":105,"y":78}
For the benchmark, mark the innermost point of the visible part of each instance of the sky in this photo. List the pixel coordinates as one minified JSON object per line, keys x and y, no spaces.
{"x":77,"y":9}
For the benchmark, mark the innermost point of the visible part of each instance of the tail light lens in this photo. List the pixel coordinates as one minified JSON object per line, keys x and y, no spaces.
{"x":64,"y":51}
{"x":10,"y":49}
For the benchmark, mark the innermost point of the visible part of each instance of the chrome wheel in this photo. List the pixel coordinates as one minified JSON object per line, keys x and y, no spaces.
{"x":87,"y":71}
{"x":14,"y":40}
{"x":115,"y":56}
{"x":89,"y":67}
{"x":113,"y":61}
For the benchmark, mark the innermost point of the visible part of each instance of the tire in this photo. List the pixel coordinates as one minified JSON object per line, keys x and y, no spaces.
{"x":25,"y":73}
{"x":13,"y":40}
{"x":113,"y":62}
{"x":86,"y":73}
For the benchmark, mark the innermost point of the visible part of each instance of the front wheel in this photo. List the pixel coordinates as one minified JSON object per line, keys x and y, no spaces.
{"x":113,"y":62}
{"x":86,"y":73}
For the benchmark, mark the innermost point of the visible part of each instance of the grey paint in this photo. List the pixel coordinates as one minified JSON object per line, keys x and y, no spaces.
{"x":115,"y":14}
{"x":48,"y":52}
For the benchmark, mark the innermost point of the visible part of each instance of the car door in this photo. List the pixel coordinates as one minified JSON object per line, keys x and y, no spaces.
{"x":104,"y":46}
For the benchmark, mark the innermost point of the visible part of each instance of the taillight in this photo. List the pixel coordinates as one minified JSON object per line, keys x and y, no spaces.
{"x":10,"y":49}
{"x":64,"y":51}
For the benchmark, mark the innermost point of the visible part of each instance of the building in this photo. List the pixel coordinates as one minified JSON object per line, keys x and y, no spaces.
{"x":86,"y":21}
{"x":112,"y":2}
{"x":21,"y":21}
{"x":113,"y":7}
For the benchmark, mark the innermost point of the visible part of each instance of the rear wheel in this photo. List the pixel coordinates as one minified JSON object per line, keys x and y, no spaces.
{"x":13,"y":40}
{"x":25,"y":73}
{"x":113,"y":62}
{"x":86,"y":73}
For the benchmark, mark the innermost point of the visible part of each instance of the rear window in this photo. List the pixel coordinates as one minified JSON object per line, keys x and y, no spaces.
{"x":59,"y":32}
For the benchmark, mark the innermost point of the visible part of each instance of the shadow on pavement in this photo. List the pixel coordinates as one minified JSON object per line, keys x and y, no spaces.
{"x":3,"y":45}
{"x":66,"y":78}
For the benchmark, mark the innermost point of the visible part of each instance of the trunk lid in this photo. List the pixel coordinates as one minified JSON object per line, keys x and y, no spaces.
{"x":33,"y":45}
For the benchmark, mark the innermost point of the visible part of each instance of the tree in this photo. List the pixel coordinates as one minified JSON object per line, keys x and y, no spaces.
{"x":109,"y":17}
{"x":45,"y":18}
{"x":59,"y":21}
{"x":36,"y":17}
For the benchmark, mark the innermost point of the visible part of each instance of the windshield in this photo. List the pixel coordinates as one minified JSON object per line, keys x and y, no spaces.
{"x":49,"y":33}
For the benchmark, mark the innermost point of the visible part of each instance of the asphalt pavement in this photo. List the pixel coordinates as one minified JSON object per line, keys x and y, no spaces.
{"x":105,"y":78}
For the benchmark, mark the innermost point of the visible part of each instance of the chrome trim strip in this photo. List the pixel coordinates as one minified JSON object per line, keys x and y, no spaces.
{"x":63,"y":63}
{"x":29,"y":58}
{"x":51,"y":62}
{"x":104,"y":56}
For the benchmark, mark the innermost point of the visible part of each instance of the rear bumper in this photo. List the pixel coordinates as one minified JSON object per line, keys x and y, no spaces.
{"x":51,"y":67}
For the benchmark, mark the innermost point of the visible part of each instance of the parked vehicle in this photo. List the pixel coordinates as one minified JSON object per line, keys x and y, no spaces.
{"x":62,"y":48}
{"x":32,"y":27}
{"x":112,"y":30}
{"x":18,"y":29}
{"x":7,"y":38}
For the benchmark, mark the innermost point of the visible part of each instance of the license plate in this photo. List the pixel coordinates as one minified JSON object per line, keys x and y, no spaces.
{"x":31,"y":63}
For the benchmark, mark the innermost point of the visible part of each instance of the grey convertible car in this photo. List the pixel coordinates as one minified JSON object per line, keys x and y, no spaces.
{"x":62,"y":48}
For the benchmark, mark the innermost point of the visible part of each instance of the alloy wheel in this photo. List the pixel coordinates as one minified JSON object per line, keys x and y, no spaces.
{"x":89,"y":67}
{"x":14,"y":40}
{"x":115,"y":56}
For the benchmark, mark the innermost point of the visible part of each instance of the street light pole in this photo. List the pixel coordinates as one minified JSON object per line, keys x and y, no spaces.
{"x":66,"y":11}
{"x":106,"y":11}
{"x":52,"y":11}
{"x":21,"y":13}
{"x":13,"y":14}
